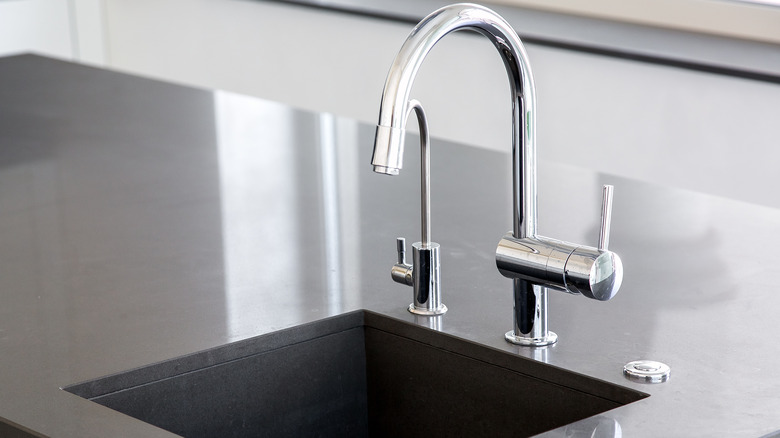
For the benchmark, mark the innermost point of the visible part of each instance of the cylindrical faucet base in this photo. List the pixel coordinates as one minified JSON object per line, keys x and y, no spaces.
{"x":427,"y":280}
{"x":530,"y":316}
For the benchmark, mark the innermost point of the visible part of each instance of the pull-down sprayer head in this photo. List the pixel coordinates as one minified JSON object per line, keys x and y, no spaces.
{"x":388,"y":150}
{"x":395,"y":107}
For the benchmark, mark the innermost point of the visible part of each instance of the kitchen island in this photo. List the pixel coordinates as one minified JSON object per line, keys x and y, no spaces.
{"x":142,"y":221}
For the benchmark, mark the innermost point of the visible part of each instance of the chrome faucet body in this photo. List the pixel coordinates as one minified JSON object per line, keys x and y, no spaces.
{"x":535,"y":263}
{"x":423,"y":274}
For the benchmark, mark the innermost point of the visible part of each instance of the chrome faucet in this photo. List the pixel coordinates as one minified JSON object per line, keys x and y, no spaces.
{"x":423,"y":274}
{"x":535,"y":263}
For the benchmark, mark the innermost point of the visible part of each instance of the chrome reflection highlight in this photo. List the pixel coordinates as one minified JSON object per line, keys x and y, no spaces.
{"x":534,"y":262}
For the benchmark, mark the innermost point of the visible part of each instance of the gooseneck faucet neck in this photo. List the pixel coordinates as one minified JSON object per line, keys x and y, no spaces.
{"x":395,"y":106}
{"x":535,"y":263}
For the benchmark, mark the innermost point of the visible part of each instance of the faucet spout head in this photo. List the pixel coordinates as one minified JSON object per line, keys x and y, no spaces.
{"x":388,"y":150}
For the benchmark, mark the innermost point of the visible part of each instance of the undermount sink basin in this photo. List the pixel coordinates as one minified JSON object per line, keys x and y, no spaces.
{"x":359,"y":374}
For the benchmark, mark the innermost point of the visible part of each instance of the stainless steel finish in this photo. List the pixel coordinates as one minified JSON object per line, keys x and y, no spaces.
{"x":530,"y":316}
{"x":606,"y":217}
{"x":400,"y":244}
{"x":396,"y":103}
{"x":537,"y":262}
{"x":425,"y":172}
{"x":647,"y":371}
{"x":593,"y":273}
{"x":401,"y":272}
{"x":564,"y":266}
{"x":541,"y":260}
{"x":427,"y":280}
{"x":423,"y":274}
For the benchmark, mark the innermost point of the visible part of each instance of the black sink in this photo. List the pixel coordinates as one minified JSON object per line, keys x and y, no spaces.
{"x":359,"y":374}
{"x":11,"y":430}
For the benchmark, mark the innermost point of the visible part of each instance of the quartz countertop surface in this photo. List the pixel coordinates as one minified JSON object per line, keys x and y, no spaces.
{"x":142,"y":221}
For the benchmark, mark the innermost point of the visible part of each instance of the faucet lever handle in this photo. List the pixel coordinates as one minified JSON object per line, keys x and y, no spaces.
{"x":606,"y":217}
{"x":400,"y":244}
{"x":401,"y":272}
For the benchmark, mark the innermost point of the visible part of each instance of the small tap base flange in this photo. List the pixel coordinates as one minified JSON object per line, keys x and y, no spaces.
{"x":550,"y":339}
{"x":441,"y":310}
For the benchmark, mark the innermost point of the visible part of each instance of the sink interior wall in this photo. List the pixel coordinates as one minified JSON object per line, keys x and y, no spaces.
{"x":360,"y":374}
{"x":313,"y":388}
{"x":409,"y":397}
{"x":9,"y":430}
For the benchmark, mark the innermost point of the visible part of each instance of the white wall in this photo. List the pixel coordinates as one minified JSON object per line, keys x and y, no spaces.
{"x":674,"y":127}
{"x":89,"y":39}
{"x":35,"y":25}
{"x":741,"y":19}
{"x":68,"y":29}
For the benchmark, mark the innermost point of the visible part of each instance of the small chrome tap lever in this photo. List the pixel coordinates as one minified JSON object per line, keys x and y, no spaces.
{"x":401,"y":271}
{"x":606,"y":217}
{"x":400,"y":244}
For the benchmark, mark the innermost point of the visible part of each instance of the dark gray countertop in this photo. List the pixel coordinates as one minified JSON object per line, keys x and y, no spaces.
{"x":141,"y":221}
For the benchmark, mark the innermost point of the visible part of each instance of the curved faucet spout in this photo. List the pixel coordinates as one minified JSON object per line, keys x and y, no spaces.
{"x":395,"y":106}
{"x":535,"y":263}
